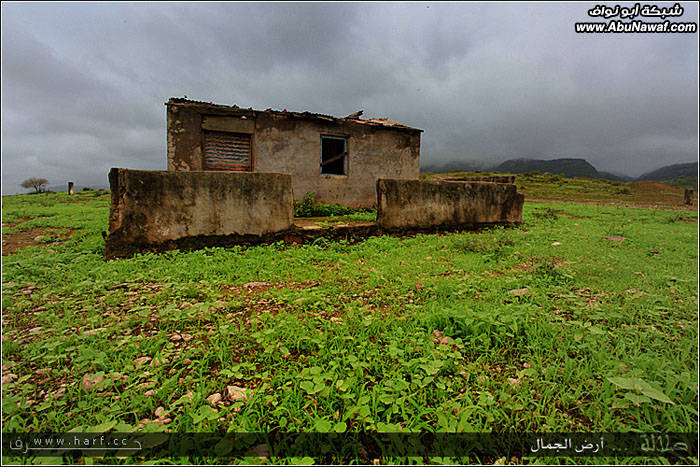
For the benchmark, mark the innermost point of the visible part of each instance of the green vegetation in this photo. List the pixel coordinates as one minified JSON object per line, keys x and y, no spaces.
{"x":683,"y":182}
{"x":545,"y":186}
{"x":558,"y":325}
{"x":669,"y":172}
{"x":308,"y":207}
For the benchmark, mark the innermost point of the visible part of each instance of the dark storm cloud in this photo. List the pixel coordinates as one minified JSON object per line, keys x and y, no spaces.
{"x":83,"y":85}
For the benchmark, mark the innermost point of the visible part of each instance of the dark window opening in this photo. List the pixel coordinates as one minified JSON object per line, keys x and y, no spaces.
{"x":334,"y":155}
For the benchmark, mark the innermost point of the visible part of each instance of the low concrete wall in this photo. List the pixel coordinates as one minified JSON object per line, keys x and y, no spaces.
{"x":411,"y":204}
{"x":151,"y":208}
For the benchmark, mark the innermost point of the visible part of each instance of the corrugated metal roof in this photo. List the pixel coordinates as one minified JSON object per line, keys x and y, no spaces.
{"x":383,"y":122}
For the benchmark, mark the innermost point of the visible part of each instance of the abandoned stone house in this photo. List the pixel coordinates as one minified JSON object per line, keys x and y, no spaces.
{"x":338,"y":159}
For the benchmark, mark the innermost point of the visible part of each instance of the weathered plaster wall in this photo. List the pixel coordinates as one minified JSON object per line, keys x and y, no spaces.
{"x":446,"y":204}
{"x":153,"y":207}
{"x":292,"y":145}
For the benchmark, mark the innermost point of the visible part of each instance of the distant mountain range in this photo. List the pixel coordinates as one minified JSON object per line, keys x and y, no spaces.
{"x":672,"y":171}
{"x":569,"y":167}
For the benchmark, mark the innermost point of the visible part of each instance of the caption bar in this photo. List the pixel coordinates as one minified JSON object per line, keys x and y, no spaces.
{"x":352,"y":445}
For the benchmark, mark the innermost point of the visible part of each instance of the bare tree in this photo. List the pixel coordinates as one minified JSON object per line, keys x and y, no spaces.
{"x":38,"y":184}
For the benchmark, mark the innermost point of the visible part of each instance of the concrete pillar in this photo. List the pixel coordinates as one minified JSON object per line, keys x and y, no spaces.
{"x":688,"y":197}
{"x":70,"y":188}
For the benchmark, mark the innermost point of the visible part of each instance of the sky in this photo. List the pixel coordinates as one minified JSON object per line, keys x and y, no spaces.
{"x":83,"y":84}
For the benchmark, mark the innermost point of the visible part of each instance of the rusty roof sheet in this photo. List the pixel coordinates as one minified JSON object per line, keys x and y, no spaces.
{"x":384,"y":122}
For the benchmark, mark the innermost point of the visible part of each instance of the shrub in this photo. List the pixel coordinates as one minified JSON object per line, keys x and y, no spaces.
{"x":307,"y":207}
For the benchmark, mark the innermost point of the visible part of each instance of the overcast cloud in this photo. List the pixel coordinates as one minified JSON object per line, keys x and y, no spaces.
{"x":83,"y":85}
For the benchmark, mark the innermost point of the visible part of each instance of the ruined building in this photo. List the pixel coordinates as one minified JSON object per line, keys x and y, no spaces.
{"x":339,"y":159}
{"x":233,"y":175}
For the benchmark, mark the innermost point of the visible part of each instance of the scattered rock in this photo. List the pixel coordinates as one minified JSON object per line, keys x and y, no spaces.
{"x":518,"y":292}
{"x":615,"y":238}
{"x":142,"y":361}
{"x":440,"y":338}
{"x":256,"y":284}
{"x":8,"y":378}
{"x":92,"y":332}
{"x":236,"y":393}
{"x":187,"y":361}
{"x":419,"y":285}
{"x":214,"y":399}
{"x":159,"y":411}
{"x":159,"y":361}
{"x":89,"y":382}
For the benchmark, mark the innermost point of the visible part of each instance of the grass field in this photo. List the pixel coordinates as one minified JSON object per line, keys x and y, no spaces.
{"x":545,"y":186}
{"x":582,"y":319}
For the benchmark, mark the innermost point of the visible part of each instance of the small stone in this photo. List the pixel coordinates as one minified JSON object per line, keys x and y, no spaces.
{"x":256,"y":284}
{"x":615,"y":238}
{"x":518,"y":291}
{"x":187,"y":361}
{"x":9,"y":378}
{"x":89,"y":382}
{"x":236,"y":393}
{"x":142,"y":361}
{"x":556,"y":243}
{"x":159,"y":411}
{"x":158,"y":361}
{"x":214,"y":398}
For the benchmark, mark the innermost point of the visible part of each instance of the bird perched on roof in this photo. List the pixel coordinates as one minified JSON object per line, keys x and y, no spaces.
{"x":355,"y":115}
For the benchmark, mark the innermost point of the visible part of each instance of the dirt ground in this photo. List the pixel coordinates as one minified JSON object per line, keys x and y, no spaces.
{"x":13,"y":241}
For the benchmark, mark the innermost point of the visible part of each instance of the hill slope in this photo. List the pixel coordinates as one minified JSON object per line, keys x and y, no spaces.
{"x":668,"y":172}
{"x":570,"y":167}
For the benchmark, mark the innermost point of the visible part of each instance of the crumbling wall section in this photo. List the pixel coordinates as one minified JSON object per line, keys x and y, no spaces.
{"x":427,"y":204}
{"x":164,"y":209}
{"x":291,"y":143}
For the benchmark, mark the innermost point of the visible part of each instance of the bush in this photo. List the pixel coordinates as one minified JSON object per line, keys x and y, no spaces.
{"x":307,"y":207}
